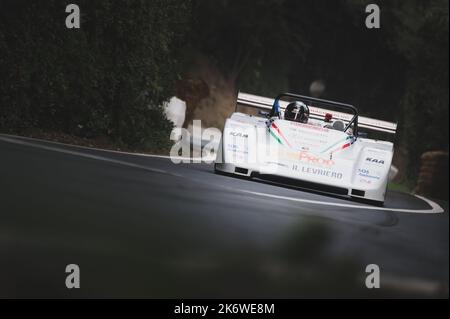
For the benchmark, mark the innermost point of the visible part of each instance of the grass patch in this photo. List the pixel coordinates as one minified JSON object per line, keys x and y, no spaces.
{"x":403,"y":187}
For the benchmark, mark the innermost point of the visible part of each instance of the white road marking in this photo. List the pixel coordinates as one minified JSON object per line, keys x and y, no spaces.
{"x":85,"y":155}
{"x":8,"y":138}
{"x":435,"y":208}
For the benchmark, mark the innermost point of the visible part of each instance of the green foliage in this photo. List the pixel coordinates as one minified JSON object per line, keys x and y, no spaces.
{"x":242,"y":37}
{"x":421,"y":37}
{"x":106,"y":78}
{"x":403,"y":187}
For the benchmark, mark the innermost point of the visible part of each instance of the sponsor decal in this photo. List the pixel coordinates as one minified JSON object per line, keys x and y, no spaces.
{"x":315,"y":160}
{"x":309,"y":126}
{"x":366,"y":173}
{"x":276,"y":163}
{"x":303,"y":157}
{"x":236,"y":149}
{"x":374,"y":160}
{"x":365,"y":181}
{"x":318,"y":172}
{"x":238,"y":134}
{"x":336,"y":115}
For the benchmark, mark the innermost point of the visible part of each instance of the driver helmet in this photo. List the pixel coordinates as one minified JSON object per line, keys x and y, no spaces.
{"x":297,"y":112}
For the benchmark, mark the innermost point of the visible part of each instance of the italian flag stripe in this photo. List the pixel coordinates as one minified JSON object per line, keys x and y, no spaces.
{"x":276,"y":137}
{"x":281,"y":134}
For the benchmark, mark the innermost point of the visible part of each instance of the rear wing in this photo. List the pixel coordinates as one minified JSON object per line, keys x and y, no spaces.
{"x":264,"y":103}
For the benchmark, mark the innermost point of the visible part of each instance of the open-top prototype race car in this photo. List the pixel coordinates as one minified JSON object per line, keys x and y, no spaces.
{"x":307,"y":142}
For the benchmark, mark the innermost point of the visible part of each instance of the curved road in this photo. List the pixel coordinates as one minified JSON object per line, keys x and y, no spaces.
{"x":141,"y":226}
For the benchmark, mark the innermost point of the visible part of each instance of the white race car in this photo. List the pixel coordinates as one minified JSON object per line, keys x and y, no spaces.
{"x":307,"y":142}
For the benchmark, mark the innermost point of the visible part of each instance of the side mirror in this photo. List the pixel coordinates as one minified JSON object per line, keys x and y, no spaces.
{"x":263,"y":113}
{"x":363,"y":134}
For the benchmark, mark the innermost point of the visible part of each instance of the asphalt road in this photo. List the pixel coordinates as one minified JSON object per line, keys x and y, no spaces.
{"x":141,"y":226}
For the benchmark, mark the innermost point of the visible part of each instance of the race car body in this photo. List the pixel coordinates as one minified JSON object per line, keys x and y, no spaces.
{"x":324,"y":152}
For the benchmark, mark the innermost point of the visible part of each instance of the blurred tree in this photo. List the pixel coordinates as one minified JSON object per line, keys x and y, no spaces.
{"x":245,"y":37}
{"x":421,"y":36}
{"x":109,"y":77}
